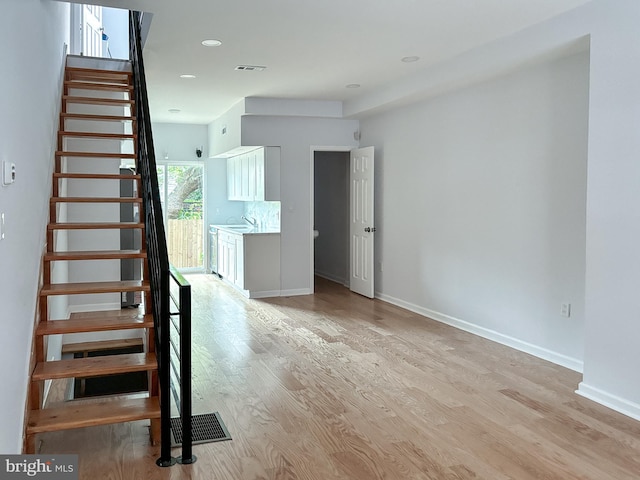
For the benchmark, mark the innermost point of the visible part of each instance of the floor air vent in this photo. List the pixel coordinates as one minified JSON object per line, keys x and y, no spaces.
{"x":207,"y":427}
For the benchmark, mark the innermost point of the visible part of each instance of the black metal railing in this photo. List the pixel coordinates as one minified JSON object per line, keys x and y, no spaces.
{"x":180,"y":339}
{"x":158,"y":260}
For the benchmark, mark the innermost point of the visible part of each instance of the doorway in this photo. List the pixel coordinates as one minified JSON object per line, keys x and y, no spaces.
{"x":331,"y":215}
{"x":99,"y":31}
{"x":181,"y":196}
{"x":359,"y":181}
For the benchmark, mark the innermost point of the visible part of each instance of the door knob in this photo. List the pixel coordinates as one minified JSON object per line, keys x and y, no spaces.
{"x":369,"y":229}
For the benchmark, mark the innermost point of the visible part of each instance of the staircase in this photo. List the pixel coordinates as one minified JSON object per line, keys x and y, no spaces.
{"x":93,"y":99}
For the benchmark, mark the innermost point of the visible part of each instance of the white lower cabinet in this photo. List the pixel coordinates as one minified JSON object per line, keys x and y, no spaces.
{"x":227,"y":256}
{"x":250,"y":262}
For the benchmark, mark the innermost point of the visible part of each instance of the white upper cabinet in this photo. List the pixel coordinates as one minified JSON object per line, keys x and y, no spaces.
{"x":254,"y":176}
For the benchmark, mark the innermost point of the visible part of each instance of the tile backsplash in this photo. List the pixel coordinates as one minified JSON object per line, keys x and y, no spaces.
{"x":266,"y":213}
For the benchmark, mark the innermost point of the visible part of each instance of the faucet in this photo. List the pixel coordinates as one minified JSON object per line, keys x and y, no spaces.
{"x":252,"y":221}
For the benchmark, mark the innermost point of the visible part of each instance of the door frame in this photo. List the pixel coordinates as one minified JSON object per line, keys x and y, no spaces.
{"x":164,"y":163}
{"x":75,"y":34}
{"x":314,"y":149}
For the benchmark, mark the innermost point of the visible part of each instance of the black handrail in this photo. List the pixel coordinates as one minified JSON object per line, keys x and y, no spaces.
{"x":158,"y":262}
{"x":183,"y":302}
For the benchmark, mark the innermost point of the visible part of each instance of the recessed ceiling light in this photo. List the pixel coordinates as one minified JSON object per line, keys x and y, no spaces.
{"x":187,"y":75}
{"x":211,"y":43}
{"x":353,"y":85}
{"x":174,"y":110}
{"x":410,"y":59}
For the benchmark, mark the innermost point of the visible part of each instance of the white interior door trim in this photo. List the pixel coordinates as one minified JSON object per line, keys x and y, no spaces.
{"x":314,"y":149}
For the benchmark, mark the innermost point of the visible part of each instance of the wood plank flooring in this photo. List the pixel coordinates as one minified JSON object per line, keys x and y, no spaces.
{"x":336,"y":386}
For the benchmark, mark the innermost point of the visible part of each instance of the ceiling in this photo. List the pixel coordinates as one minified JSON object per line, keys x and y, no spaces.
{"x":312,"y":49}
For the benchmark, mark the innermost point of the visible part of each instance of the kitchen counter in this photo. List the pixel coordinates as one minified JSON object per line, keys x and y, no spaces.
{"x":249,"y":259}
{"x":247,"y":229}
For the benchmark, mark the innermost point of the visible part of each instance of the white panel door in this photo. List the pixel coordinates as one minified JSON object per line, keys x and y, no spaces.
{"x":92,"y":31}
{"x":362,"y":230}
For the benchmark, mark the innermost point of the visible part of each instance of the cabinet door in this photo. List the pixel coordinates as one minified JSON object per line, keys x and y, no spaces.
{"x":259,"y":173}
{"x":223,"y":254}
{"x":244,"y":176}
{"x":237,"y":177}
{"x":251,"y":176}
{"x":231,"y":248}
{"x":231,"y":179}
{"x":234,"y":178}
{"x":239,"y":251}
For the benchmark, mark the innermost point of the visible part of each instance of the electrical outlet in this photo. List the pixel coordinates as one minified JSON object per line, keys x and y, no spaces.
{"x":565,"y":310}
{"x":2,"y":227}
{"x":380,"y":265}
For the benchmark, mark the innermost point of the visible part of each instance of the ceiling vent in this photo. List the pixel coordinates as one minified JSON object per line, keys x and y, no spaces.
{"x":250,"y":68}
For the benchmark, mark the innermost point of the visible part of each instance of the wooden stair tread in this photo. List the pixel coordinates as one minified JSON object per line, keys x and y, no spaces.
{"x":94,"y":117}
{"x":61,"y":153}
{"x":99,"y":345}
{"x":98,"y":176}
{"x":114,"y":136}
{"x":94,"y":287}
{"x":94,"y":255}
{"x":95,"y":324}
{"x":79,"y":414}
{"x":93,"y":225}
{"x":81,"y":85}
{"x":95,"y":366}
{"x":101,"y":71}
{"x":97,"y":100}
{"x":95,"y":200}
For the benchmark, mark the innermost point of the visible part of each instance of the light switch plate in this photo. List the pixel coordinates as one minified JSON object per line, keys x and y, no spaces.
{"x":1,"y":226}
{"x":8,"y":173}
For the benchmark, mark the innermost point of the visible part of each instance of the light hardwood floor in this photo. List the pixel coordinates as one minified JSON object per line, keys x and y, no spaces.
{"x":336,"y":386}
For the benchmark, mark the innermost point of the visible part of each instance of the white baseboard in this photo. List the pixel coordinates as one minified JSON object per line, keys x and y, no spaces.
{"x":96,"y":307}
{"x":296,"y":292}
{"x":535,"y":350}
{"x":331,"y":277}
{"x":609,"y":400}
{"x":264,"y":294}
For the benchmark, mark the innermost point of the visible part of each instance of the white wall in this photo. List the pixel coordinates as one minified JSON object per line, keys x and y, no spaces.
{"x":225,"y":133}
{"x":30,"y":99}
{"x":612,"y":266}
{"x":331,"y":215}
{"x":612,"y":361}
{"x":480,"y":207}
{"x":296,"y":136}
{"x":179,"y":141}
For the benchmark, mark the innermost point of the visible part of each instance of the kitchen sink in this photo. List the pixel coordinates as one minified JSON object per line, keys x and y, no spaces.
{"x":239,"y":228}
